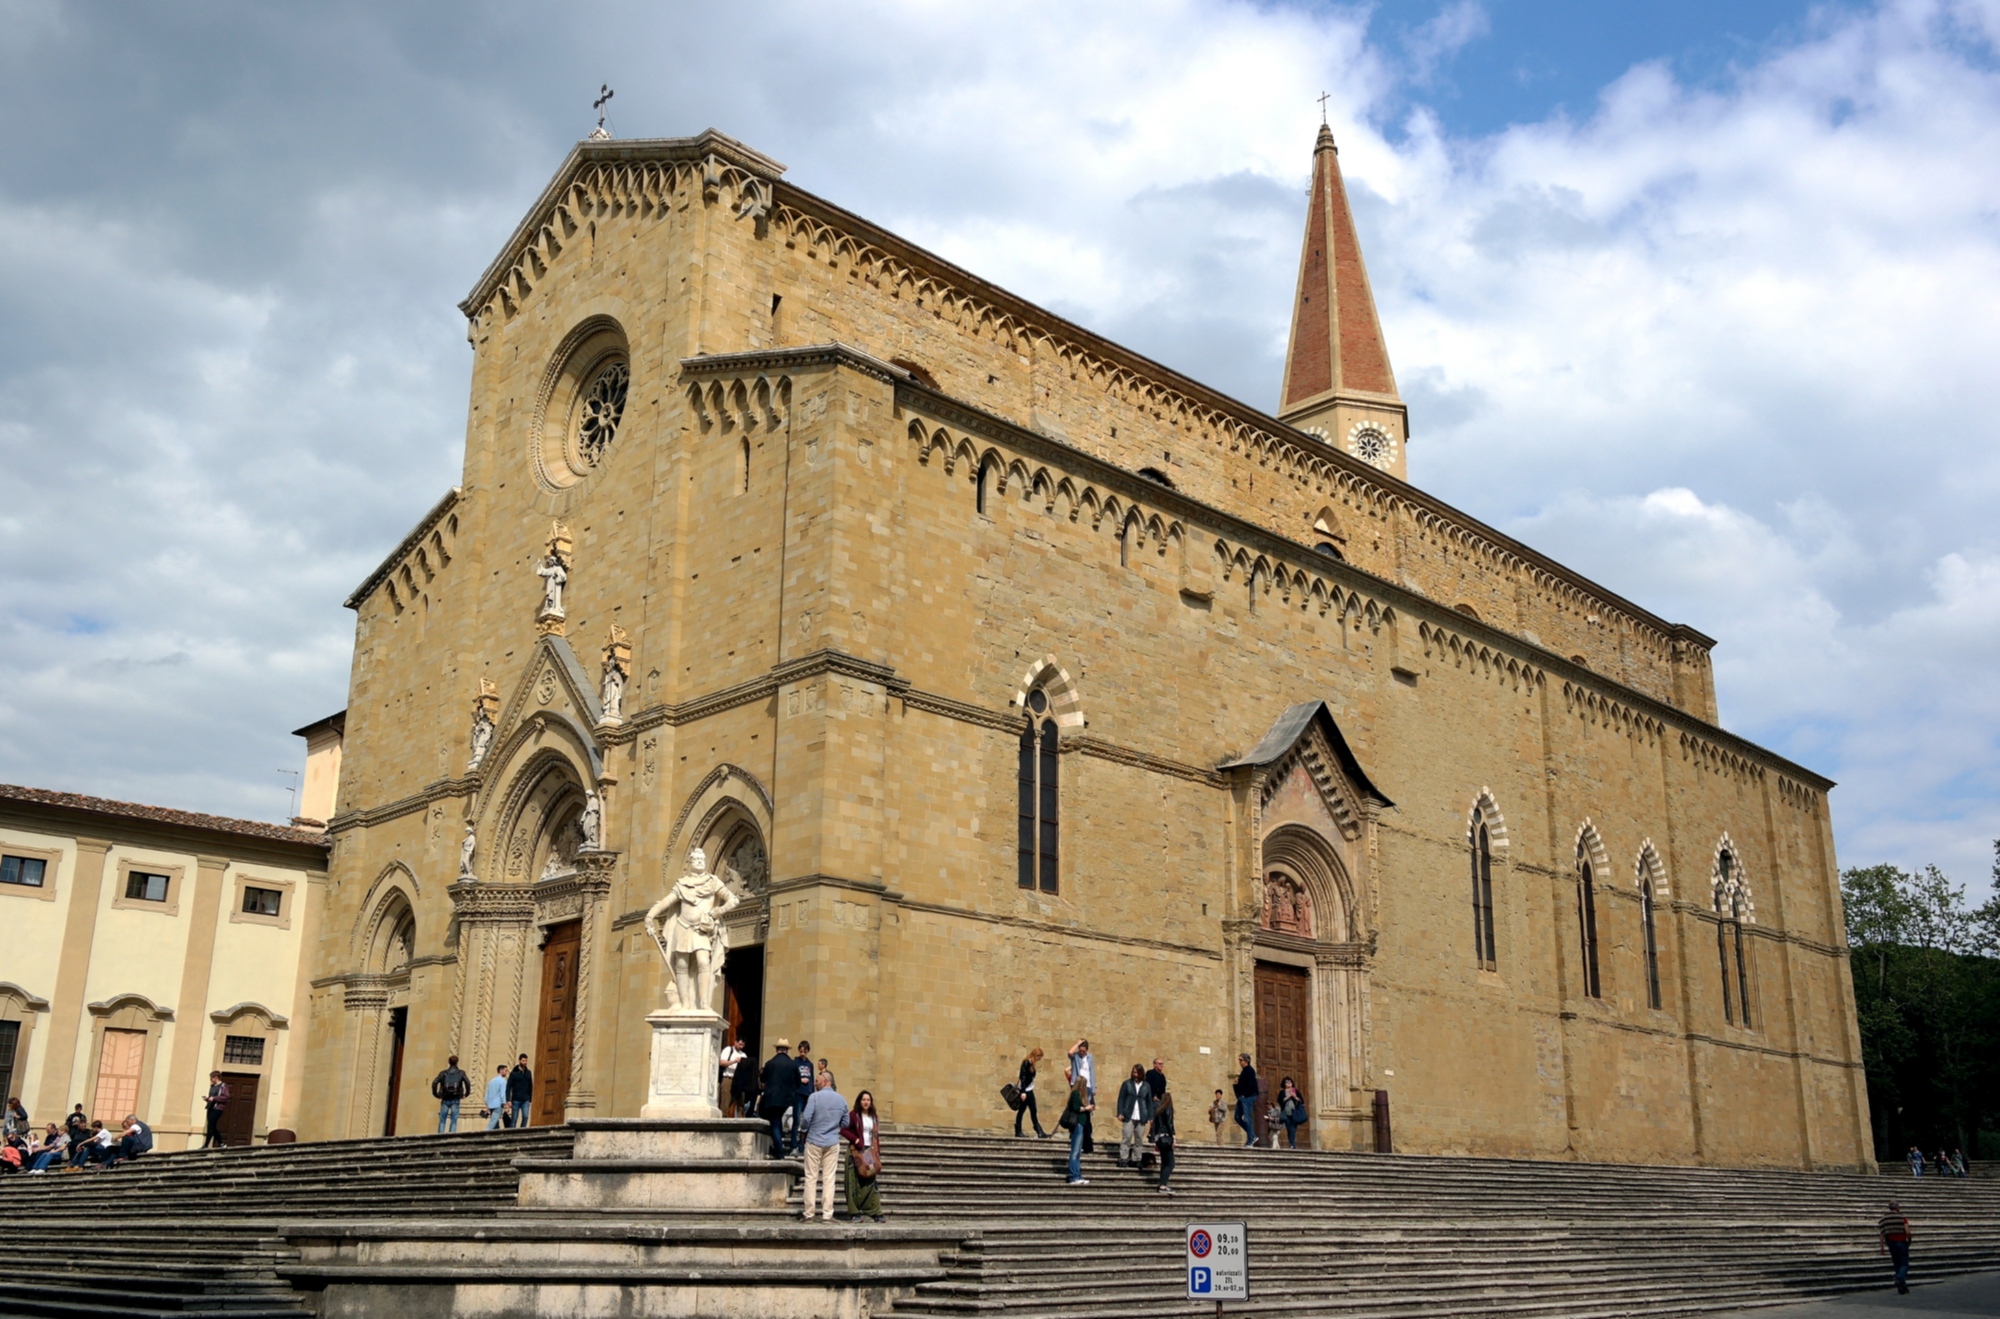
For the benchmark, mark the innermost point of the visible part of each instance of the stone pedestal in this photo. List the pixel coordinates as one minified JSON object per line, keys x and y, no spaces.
{"x":686,"y":1065}
{"x":685,"y":1164}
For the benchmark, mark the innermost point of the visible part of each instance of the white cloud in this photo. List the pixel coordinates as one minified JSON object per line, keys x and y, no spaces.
{"x":1726,"y":348}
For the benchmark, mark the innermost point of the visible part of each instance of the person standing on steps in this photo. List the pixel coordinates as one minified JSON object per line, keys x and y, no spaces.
{"x":1291,"y":1110}
{"x":212,"y":1105}
{"x":1156,"y":1081}
{"x":731,"y":1058}
{"x":780,"y":1081}
{"x":1076,"y":1121}
{"x":864,"y":1159}
{"x":802,"y":1091}
{"x":521,"y":1092}
{"x":1029,"y":1065}
{"x":495,"y":1098}
{"x":1895,"y":1230}
{"x":1916,"y":1162}
{"x":1218,"y":1116}
{"x":16,"y":1122}
{"x":743,"y":1085}
{"x":449,"y":1088}
{"x":825,"y":1115}
{"x":1083,"y":1067}
{"x":1163,"y":1141}
{"x":1246,"y":1100}
{"x":1135,"y":1112}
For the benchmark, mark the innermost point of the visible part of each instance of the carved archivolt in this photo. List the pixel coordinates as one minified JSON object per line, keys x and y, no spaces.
{"x":1309,"y":868}
{"x":1590,"y":847}
{"x":1729,"y":884}
{"x":1650,"y":868}
{"x":1488,"y":812}
{"x":721,"y":787}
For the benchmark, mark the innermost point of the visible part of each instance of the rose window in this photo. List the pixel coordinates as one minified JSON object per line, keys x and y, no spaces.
{"x":603,"y":406}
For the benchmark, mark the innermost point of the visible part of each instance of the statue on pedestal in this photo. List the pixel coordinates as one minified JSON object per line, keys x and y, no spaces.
{"x":617,"y":665}
{"x":687,"y":925}
{"x":465,"y":850}
{"x":484,"y":707}
{"x":554,"y":572}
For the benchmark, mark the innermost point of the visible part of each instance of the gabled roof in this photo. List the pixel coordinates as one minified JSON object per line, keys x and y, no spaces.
{"x":1285,"y":734}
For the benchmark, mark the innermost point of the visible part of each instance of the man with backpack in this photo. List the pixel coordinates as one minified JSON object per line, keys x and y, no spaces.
{"x":448,"y":1089}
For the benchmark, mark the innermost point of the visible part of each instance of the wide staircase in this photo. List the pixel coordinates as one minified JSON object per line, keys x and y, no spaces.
{"x":197,"y":1233}
{"x":1352,"y":1235}
{"x":1367,"y":1236}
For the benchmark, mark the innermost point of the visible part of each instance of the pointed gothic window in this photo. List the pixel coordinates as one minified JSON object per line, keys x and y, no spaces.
{"x":1586,"y":922}
{"x":1040,"y":802}
{"x":1652,"y":943}
{"x":1480,"y":844}
{"x":1729,"y":951}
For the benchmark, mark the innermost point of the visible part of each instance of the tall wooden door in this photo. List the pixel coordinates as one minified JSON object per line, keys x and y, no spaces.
{"x":120,"y":1059}
{"x":558,"y":1021}
{"x":1284,"y":1025}
{"x":239,"y":1116}
{"x":399,"y":1028}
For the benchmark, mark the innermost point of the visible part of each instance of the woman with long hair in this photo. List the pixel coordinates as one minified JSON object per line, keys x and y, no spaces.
{"x":1076,"y":1120}
{"x":1029,"y":1065}
{"x":1291,"y":1110}
{"x":863,"y":1130}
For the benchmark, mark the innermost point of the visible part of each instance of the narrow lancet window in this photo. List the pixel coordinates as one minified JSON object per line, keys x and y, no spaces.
{"x":1652,"y":944}
{"x":1586,"y":920}
{"x":1480,"y":843}
{"x":1040,"y":829}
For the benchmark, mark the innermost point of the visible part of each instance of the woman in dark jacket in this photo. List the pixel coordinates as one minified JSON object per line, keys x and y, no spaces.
{"x":1027,"y":1108}
{"x":1163,"y":1140}
{"x":863,"y":1130}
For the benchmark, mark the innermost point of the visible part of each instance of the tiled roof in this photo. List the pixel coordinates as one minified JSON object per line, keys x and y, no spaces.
{"x":76,"y":801}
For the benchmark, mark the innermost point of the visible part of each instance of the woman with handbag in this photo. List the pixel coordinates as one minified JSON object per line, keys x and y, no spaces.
{"x":1291,"y":1110}
{"x":1163,"y":1140}
{"x":1027,"y":1108}
{"x":863,"y":1130}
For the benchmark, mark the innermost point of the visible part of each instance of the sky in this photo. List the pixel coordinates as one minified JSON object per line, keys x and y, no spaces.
{"x":1702,"y":299}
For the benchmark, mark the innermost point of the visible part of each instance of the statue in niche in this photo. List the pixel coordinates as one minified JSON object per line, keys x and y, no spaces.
{"x":687,"y":926}
{"x":617,"y":665}
{"x":554,"y":572}
{"x":590,"y":825}
{"x":484,"y":707}
{"x":466,"y":847}
{"x":1287,"y":908}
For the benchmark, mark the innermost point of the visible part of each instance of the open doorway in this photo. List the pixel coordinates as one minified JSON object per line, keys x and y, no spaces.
{"x":399,"y":1025}
{"x":743,"y":999}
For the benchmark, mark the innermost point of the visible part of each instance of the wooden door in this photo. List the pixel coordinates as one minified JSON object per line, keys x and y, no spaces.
{"x":239,"y":1116}
{"x":1284,"y":1025}
{"x":120,"y":1059}
{"x":557,"y":1022}
{"x":399,"y":1023}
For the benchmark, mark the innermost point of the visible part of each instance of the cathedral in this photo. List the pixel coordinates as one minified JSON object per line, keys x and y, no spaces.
{"x":1023,"y":689}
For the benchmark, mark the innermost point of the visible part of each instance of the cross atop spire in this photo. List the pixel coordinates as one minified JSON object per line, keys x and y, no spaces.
{"x":1323,"y":98}
{"x":604,"y":95}
{"x":1338,"y":382}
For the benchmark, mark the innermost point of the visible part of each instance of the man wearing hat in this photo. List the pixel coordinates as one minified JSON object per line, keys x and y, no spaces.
{"x":781,"y":1083}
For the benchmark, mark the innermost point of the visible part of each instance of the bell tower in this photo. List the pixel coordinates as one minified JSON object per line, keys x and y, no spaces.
{"x":1338,"y":384}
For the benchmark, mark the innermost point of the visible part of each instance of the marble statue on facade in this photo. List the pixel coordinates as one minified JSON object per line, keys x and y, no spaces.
{"x":687,"y":925}
{"x":466,"y":847}
{"x":554,"y":572}
{"x":590,"y":825}
{"x":617,"y":665}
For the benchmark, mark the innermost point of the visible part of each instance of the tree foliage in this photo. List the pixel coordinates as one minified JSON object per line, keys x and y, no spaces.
{"x":1927,"y":998}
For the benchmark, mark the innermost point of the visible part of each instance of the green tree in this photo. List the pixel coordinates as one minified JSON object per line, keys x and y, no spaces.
{"x":1927,"y":1000}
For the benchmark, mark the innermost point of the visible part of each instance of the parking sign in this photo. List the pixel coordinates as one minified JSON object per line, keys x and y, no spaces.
{"x":1218,"y":1262}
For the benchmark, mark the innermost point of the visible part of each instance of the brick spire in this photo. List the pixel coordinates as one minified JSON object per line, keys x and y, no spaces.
{"x":1336,"y":355}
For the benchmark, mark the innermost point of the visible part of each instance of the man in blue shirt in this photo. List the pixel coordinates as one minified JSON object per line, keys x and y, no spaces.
{"x":496,"y":1099}
{"x":824,"y":1115}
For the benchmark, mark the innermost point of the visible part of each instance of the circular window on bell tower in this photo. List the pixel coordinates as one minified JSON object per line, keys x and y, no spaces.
{"x":1372,"y":445}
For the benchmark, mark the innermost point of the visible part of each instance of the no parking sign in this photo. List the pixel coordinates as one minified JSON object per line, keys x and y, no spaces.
{"x":1218,"y":1262}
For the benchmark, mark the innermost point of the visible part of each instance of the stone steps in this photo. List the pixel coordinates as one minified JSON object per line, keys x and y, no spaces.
{"x":1367,"y":1236}
{"x":196,"y":1232}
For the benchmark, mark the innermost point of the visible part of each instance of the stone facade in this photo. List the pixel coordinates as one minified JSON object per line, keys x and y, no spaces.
{"x":879,"y":542}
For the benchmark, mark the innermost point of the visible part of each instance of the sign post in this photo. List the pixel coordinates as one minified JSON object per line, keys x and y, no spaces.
{"x":1218,"y":1263}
